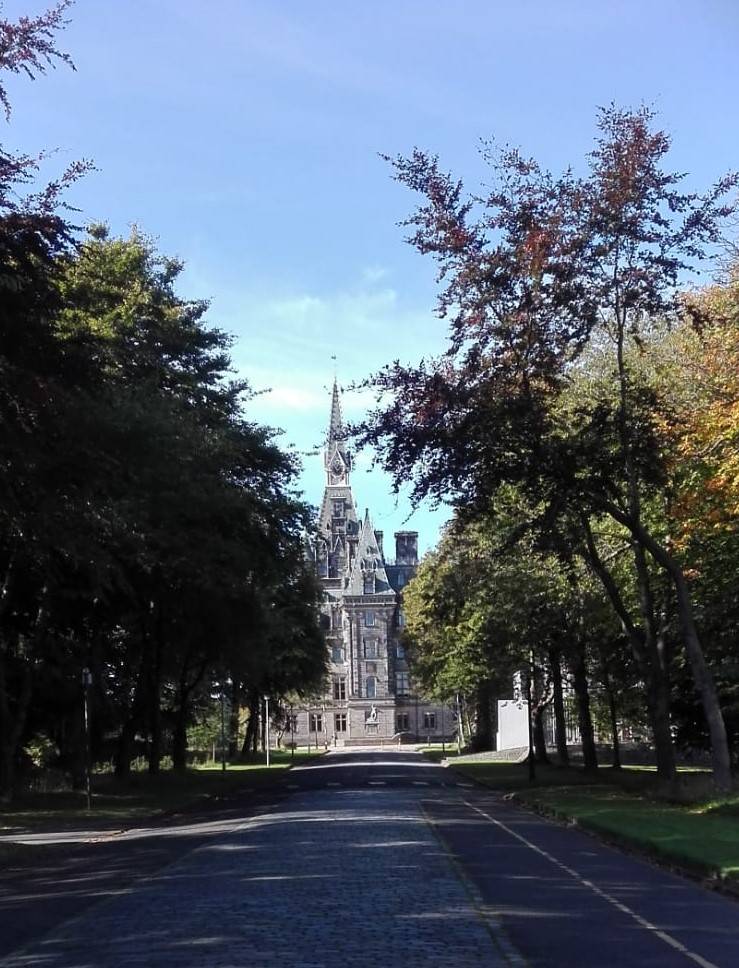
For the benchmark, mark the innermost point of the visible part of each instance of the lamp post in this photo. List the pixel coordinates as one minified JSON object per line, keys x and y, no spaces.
{"x":86,"y":683}
{"x":223,"y":727}
{"x":459,"y":726}
{"x":443,"y":738}
{"x":292,"y":734}
{"x":532,"y":768}
{"x":266,"y":726}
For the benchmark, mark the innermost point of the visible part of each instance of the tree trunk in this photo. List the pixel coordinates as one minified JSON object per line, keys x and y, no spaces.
{"x":12,"y":725}
{"x":560,"y":722}
{"x":649,"y":657}
{"x":540,"y":742}
{"x":124,"y":750}
{"x":233,"y":719}
{"x":483,"y":739}
{"x":252,"y":729}
{"x":585,"y":722}
{"x":616,"y":760}
{"x":704,"y":683}
{"x":179,"y":736}
{"x":154,"y":695}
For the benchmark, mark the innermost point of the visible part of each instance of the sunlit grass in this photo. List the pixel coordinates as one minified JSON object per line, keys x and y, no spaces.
{"x":629,"y":807}
{"x":123,"y":802}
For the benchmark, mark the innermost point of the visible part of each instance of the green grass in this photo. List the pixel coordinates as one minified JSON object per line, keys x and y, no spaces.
{"x":122,"y":803}
{"x":699,"y":834}
{"x":437,"y":753}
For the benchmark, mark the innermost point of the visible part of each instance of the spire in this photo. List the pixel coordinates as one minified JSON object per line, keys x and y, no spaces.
{"x":368,"y":575}
{"x":335,"y":427}
{"x":336,"y":459}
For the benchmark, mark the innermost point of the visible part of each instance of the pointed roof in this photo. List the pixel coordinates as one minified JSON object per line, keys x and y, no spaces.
{"x":368,"y":558}
{"x":336,"y":457}
{"x":336,"y":423}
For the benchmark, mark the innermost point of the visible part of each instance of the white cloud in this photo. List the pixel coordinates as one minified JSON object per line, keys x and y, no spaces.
{"x":373,"y":274}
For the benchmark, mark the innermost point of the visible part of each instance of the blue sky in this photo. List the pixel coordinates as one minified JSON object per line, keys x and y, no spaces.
{"x":244,"y":135}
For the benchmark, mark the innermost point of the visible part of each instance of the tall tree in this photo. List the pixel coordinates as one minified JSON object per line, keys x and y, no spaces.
{"x":534,"y":272}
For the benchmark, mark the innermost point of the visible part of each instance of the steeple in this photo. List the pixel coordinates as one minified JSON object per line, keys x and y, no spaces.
{"x":368,"y":575}
{"x":335,"y":428}
{"x":336,"y":457}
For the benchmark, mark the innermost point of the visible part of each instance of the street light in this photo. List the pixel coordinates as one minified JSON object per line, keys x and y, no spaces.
{"x":459,"y":726}
{"x":529,"y":677}
{"x":86,"y":683}
{"x":266,"y":726}
{"x":223,"y":727}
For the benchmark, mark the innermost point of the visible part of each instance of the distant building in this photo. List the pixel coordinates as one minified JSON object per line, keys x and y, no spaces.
{"x":370,"y":696}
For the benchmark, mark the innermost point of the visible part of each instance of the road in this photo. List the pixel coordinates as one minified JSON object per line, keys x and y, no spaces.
{"x":368,"y":858}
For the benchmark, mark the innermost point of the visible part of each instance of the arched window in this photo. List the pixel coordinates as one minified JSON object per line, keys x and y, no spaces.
{"x":371,"y":687}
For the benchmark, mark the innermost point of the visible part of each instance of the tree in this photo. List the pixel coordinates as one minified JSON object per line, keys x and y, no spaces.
{"x":535,"y":272}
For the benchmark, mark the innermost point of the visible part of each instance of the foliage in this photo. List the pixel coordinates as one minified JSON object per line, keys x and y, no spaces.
{"x":538,"y":277}
{"x":149,"y":531}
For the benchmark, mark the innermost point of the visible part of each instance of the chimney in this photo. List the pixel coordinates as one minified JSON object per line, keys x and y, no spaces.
{"x":378,"y":539}
{"x":406,"y":547}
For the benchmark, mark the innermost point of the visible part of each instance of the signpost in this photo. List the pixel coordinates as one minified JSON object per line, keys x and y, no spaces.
{"x":266,"y":726}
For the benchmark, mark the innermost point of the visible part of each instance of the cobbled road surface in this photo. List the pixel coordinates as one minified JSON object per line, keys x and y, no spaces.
{"x":369,"y":858}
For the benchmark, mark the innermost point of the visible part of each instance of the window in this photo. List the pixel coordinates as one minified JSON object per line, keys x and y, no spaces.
{"x":340,"y":722}
{"x":291,"y":723}
{"x":401,"y":618}
{"x":369,"y":618}
{"x":371,"y":687}
{"x":399,"y":651}
{"x":429,"y":720}
{"x":402,"y":683}
{"x":403,"y":722}
{"x":340,"y":688}
{"x":316,"y":722}
{"x":370,"y":648}
{"x":337,"y":653}
{"x":369,"y":584}
{"x":338,"y":505}
{"x":371,"y":668}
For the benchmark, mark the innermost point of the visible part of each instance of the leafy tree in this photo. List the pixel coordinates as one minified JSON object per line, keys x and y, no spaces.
{"x":534,"y":272}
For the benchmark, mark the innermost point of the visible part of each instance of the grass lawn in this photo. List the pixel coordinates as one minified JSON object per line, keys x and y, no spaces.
{"x":700,"y":835}
{"x":123,"y":803}
{"x":437,"y":753}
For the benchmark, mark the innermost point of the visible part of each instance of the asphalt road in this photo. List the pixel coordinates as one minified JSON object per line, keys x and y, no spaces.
{"x":360,"y":857}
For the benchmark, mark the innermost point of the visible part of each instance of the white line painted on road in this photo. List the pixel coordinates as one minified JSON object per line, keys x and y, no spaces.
{"x":420,"y":783}
{"x":333,"y":783}
{"x":642,"y":922}
{"x":377,"y":783}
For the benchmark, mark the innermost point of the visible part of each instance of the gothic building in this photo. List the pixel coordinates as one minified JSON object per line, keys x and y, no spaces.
{"x":370,"y":697}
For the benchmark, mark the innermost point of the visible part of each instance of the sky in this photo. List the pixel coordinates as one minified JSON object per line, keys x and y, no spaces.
{"x":245,"y":136}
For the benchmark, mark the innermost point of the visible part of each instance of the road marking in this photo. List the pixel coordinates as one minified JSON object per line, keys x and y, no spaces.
{"x":642,"y":922}
{"x":420,"y":783}
{"x":377,"y":783}
{"x":333,"y":783}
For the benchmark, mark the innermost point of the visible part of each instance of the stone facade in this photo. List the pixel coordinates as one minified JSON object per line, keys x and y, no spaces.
{"x":370,"y":697}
